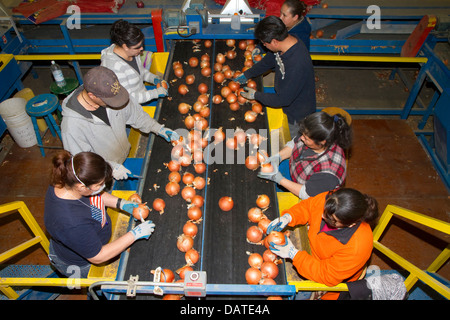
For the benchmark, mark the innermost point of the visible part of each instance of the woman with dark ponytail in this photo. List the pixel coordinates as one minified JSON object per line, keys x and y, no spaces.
{"x":340,"y":236}
{"x":123,"y":57}
{"x":75,"y":214}
{"x":316,"y":156}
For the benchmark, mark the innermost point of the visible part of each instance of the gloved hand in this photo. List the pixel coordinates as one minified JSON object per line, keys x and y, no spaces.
{"x":288,"y":250}
{"x":120,"y":172}
{"x":143,"y":230}
{"x":248,"y":93}
{"x":274,"y":176}
{"x":168,"y":134}
{"x":158,"y":80}
{"x":274,"y":160}
{"x":128,"y":206}
{"x":162,"y":92}
{"x":241,"y":78}
{"x":255,"y":52}
{"x":279,"y":223}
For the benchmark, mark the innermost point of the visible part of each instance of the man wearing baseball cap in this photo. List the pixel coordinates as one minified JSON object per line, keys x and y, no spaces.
{"x":96,"y":114}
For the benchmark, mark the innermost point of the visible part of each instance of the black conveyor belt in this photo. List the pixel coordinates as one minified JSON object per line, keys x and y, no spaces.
{"x":221,"y":240}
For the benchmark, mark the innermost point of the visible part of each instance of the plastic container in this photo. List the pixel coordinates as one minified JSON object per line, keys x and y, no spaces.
{"x":18,"y":122}
{"x":58,"y":74}
{"x":235,"y":22}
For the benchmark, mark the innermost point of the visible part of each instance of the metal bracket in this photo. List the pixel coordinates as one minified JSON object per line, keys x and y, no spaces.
{"x":157,"y":278}
{"x":131,"y":290}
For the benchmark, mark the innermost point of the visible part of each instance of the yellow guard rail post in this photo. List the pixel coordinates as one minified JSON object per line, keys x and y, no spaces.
{"x":415,"y":273}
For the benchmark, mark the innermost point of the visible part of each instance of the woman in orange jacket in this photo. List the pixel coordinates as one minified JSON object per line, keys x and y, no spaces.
{"x":340,"y":236}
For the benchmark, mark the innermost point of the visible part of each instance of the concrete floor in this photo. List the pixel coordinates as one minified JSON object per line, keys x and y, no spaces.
{"x":386,"y":161}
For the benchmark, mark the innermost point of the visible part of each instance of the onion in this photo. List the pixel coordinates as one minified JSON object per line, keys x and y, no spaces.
{"x":177,"y":64}
{"x":267,"y":167}
{"x":163,"y":83}
{"x":251,"y":162}
{"x":218,"y":66}
{"x":242,"y":44}
{"x":181,"y":272}
{"x":269,"y":256}
{"x":269,"y":270}
{"x":231,"y":143}
{"x":185,"y":160}
{"x":197,"y":106}
{"x":231,"y":54}
{"x":188,"y":193}
{"x":255,"y":214}
{"x":193,"y":62}
{"x":208,"y":43}
{"x":220,"y":58}
{"x":172,"y":297}
{"x":194,"y":213}
{"x":217,"y":99}
{"x":204,"y":111}
{"x":159,"y":205}
{"x":240,"y":136}
{"x":256,"y":139}
{"x":167,"y":275}
{"x":234,"y":106}
{"x":184,"y":108}
{"x":179,"y":72}
{"x":253,"y":275}
{"x":219,"y":77}
{"x":174,"y":176}
{"x":257,"y":107}
{"x":188,"y":178}
{"x":230,"y":42}
{"x":135,"y":198}
{"x":231,"y":98}
{"x":191,"y":256}
{"x":183,"y":89}
{"x":184,"y":243}
{"x":267,"y":282}
{"x":199,"y":183}
{"x":140,"y":211}
{"x":172,"y":188}
{"x":190,"y":229}
{"x":254,"y":234}
{"x":198,"y":200}
{"x":206,"y":71}
{"x":226,"y":203}
{"x":228,"y":74}
{"x":200,"y":168}
{"x":203,"y":98}
{"x":241,"y":99}
{"x":263,"y":223}
{"x":189,"y":122}
{"x":251,"y":84}
{"x":233,"y":85}
{"x":255,"y":260}
{"x":276,"y":237}
{"x":190,"y":79}
{"x":202,"y":88}
{"x":225,"y":91}
{"x":173,"y":165}
{"x":263,"y":201}
{"x":250,"y":116}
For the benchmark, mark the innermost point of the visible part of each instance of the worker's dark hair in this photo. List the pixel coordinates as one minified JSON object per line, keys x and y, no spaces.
{"x":320,"y":126}
{"x":351,"y":206}
{"x":123,"y":32}
{"x":271,"y":28}
{"x":89,"y":167}
{"x":296,"y":7}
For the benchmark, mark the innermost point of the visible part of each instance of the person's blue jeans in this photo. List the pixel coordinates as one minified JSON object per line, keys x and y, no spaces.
{"x":68,"y":270}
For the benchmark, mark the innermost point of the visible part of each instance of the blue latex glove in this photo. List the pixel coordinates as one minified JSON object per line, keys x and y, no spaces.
{"x":144,"y":230}
{"x":248,"y":93}
{"x":241,"y":78}
{"x":288,"y":250}
{"x":279,"y":223}
{"x":168,"y":134}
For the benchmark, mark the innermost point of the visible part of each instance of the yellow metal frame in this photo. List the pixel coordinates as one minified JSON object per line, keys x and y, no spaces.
{"x":415,"y":273}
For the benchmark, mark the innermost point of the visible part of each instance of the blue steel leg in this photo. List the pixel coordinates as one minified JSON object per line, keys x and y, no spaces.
{"x":68,"y":40}
{"x":54,"y":125}
{"x":38,"y":135}
{"x":414,"y":92}
{"x":429,"y":110}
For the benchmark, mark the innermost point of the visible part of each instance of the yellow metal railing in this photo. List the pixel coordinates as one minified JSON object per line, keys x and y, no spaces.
{"x":415,"y":273}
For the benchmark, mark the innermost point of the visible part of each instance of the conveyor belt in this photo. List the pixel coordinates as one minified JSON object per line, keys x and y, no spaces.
{"x":221,"y":239}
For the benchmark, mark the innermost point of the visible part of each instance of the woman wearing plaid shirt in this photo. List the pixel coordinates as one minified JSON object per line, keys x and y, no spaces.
{"x":316,"y":156}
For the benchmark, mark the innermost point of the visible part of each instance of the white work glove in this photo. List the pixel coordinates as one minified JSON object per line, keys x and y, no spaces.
{"x":274,"y":176}
{"x":288,"y":250}
{"x":168,"y":134}
{"x":279,"y":223}
{"x":255,"y":52}
{"x":120,"y":172}
{"x":162,"y":92}
{"x":274,"y":160}
{"x":248,"y":93}
{"x":144,"y":230}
